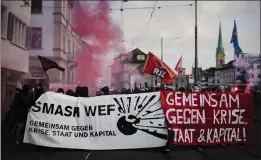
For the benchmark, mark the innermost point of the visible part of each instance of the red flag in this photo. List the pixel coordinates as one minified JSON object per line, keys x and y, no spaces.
{"x":49,"y":64}
{"x":178,"y":67}
{"x":154,"y":66}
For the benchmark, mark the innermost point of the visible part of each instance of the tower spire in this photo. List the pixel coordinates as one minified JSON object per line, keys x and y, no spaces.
{"x":220,"y":52}
{"x":220,"y":41}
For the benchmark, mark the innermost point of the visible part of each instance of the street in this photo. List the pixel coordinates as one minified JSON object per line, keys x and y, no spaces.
{"x":231,"y":152}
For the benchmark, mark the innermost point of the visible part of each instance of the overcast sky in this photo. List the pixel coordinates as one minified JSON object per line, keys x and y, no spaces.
{"x":173,"y":22}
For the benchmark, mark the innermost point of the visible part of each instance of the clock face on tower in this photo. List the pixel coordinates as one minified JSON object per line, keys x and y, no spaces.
{"x":220,"y":55}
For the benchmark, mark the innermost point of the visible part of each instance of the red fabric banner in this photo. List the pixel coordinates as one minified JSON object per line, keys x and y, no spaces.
{"x":179,"y":67}
{"x":154,"y":66}
{"x":208,"y":118}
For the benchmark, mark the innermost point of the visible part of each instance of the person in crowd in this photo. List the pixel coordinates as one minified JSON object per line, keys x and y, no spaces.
{"x":168,"y":146}
{"x":70,"y":93}
{"x":114,"y":92}
{"x":182,"y":89}
{"x":105,"y":90}
{"x":128,"y":91}
{"x":38,"y":92}
{"x":255,"y":91}
{"x":24,"y":103}
{"x":136,"y":90}
{"x":157,"y":89}
{"x":84,"y":92}
{"x":78,"y":91}
{"x":220,"y":89}
{"x":123,"y":91}
{"x":195,"y":88}
{"x":60,"y":90}
{"x":9,"y":121}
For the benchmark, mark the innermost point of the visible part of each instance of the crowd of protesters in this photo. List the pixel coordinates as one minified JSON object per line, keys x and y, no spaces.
{"x":26,"y":97}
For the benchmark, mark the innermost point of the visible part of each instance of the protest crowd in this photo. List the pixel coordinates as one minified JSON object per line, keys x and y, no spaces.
{"x":26,"y":97}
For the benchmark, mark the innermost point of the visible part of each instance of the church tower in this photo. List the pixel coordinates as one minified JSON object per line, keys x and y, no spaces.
{"x":220,"y":52}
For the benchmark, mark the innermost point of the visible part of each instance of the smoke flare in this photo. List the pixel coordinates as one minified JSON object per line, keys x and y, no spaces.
{"x":102,"y":36}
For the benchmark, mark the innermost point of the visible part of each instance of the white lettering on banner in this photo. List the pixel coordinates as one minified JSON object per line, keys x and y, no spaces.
{"x":185,"y":135}
{"x":169,"y":100}
{"x":56,"y":109}
{"x":226,"y":116}
{"x":235,"y":100}
{"x":159,"y":72}
{"x":185,"y":116}
{"x":184,"y":99}
{"x":209,"y":100}
{"x":100,"y":110}
{"x":216,"y":135}
{"x":219,"y":111}
{"x":209,"y":135}
{"x":97,"y":123}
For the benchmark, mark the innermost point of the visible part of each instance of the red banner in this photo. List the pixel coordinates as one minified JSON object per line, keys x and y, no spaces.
{"x":208,"y":118}
{"x":154,"y":66}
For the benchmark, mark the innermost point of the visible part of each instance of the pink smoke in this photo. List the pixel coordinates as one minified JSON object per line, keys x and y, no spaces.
{"x":104,"y":36}
{"x":244,"y":63}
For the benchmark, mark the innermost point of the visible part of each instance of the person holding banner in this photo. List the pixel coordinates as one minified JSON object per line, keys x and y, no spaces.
{"x":105,"y":90}
{"x":168,"y":146}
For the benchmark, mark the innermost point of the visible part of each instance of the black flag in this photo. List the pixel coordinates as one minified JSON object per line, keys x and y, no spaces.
{"x":49,"y":64}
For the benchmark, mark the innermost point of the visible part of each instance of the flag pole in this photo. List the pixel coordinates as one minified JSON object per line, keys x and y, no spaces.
{"x":196,"y":46}
{"x":161,"y":46}
{"x":51,"y":80}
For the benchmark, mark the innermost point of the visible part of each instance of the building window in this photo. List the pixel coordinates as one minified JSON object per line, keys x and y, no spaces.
{"x":16,"y":30}
{"x":64,"y":41}
{"x":72,"y":77}
{"x":36,"y":6}
{"x":221,"y":62}
{"x":68,"y":76}
{"x":73,"y":17}
{"x":69,"y":47}
{"x":140,"y":57}
{"x":64,"y":5}
{"x":69,"y":13}
{"x":258,"y":66}
{"x":73,"y":50}
{"x":3,"y":21}
{"x":36,"y":41}
{"x":63,"y":76}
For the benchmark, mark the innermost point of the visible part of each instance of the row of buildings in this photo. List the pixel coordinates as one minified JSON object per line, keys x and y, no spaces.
{"x":127,"y":71}
{"x":244,"y":69}
{"x":225,"y":74}
{"x":43,"y":28}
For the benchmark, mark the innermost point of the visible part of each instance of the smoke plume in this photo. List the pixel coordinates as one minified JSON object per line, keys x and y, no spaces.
{"x":246,"y":73}
{"x":94,"y":24}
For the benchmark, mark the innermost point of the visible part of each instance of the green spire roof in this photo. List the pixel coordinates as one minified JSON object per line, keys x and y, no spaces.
{"x":220,"y":41}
